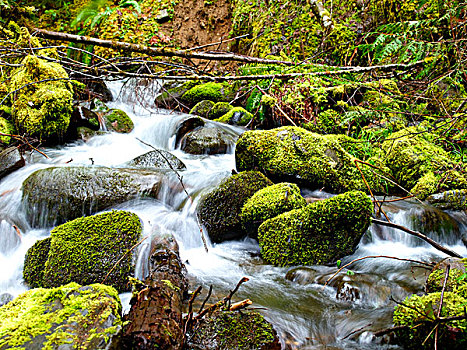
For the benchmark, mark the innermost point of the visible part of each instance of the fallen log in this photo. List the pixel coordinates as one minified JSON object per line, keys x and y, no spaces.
{"x":155,"y":318}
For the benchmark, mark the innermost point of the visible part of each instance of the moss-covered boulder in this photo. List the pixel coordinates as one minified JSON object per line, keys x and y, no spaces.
{"x":159,"y":159}
{"x":202,"y":108}
{"x":5,"y":128}
{"x":449,"y":200}
{"x":219,"y":109}
{"x":42,"y":109}
{"x":207,"y":141}
{"x":236,"y":116}
{"x":11,"y":159}
{"x":215,"y":92}
{"x":118,"y":121}
{"x":171,"y":92}
{"x":219,"y":210}
{"x":34,"y":263}
{"x":54,"y":195}
{"x":94,"y":249}
{"x":65,"y":318}
{"x":268,"y":203}
{"x":225,"y":330}
{"x":435,"y":280}
{"x":419,"y":165}
{"x":416,"y":313}
{"x":320,"y":233}
{"x":296,"y":155}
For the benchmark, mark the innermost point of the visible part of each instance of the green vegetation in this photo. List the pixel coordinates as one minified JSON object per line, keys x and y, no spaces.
{"x":236,"y":116}
{"x":34,"y":263}
{"x":117,"y":120}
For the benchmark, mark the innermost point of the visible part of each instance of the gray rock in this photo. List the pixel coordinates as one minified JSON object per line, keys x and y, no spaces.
{"x":187,"y":125}
{"x":206,"y":141}
{"x":10,"y":160}
{"x":163,"y":16}
{"x":157,"y":159}
{"x":452,"y":200}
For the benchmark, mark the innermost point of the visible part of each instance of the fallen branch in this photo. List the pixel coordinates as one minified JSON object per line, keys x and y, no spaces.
{"x":240,"y":305}
{"x":419,"y":235}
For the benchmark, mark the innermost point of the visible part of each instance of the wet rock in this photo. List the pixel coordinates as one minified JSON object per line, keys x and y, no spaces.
{"x":69,"y":317}
{"x":118,"y":121}
{"x":236,"y":116}
{"x":219,"y":109}
{"x":99,"y":88}
{"x":85,"y":134}
{"x":55,"y":195}
{"x":219,"y":211}
{"x":5,"y":298}
{"x":449,"y":200}
{"x":172,"y":93}
{"x":320,"y":233}
{"x":216,"y":92}
{"x":84,"y":117}
{"x":10,"y":160}
{"x":155,"y":318}
{"x":86,"y":250}
{"x":268,"y":203}
{"x":206,"y":141}
{"x":98,"y":106}
{"x":202,"y":108}
{"x":435,"y":281}
{"x":296,"y":155}
{"x":235,"y":330}
{"x":186,"y":126}
{"x":160,"y":159}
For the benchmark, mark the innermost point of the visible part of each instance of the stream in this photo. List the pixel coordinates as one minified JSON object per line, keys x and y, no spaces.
{"x":305,"y":314}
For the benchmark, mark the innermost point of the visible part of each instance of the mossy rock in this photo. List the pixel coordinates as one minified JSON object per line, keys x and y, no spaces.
{"x":34,"y":263}
{"x":226,"y":330}
{"x":219,"y":109}
{"x":206,"y":141}
{"x":216,"y":92}
{"x":65,"y":318}
{"x":296,"y":155}
{"x":419,"y":165}
{"x":320,"y":233}
{"x":187,"y":125}
{"x":6,"y":128}
{"x":449,"y":200}
{"x":159,"y":159}
{"x":93,"y":249}
{"x":268,"y":203}
{"x":219,"y":210}
{"x":435,"y":281}
{"x":55,"y":195}
{"x":44,"y":109}
{"x":236,"y":116}
{"x":172,"y":92}
{"x":117,"y":120}
{"x":416,"y":312}
{"x":202,"y":108}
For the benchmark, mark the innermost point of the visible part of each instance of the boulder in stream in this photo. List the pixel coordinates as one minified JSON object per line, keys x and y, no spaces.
{"x":219,"y":210}
{"x":202,"y":108}
{"x":268,"y":203}
{"x":215,"y":92}
{"x":55,"y":195}
{"x":449,"y":200}
{"x":118,"y":121}
{"x":320,"y":233}
{"x":65,"y":318}
{"x":236,"y":116}
{"x":435,"y":281}
{"x":159,"y":159}
{"x":94,"y":249}
{"x":206,"y":141}
{"x":10,"y":160}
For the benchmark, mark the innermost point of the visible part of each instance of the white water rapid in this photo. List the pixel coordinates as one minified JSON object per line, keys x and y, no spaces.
{"x":305,"y":314}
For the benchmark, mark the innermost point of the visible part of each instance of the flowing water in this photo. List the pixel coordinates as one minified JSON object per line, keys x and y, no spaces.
{"x":305,"y":314}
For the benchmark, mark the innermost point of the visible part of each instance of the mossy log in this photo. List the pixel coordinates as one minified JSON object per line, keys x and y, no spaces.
{"x":155,"y":318}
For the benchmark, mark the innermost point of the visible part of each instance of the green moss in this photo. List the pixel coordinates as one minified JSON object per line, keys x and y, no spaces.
{"x":219,"y":109}
{"x":435,"y":280}
{"x":202,"y":108}
{"x":219,"y":211}
{"x":171,"y":93}
{"x":268,"y":203}
{"x":41,"y":109}
{"x":7,"y":128}
{"x":327,"y":122}
{"x":236,"y":116}
{"x":86,"y":249}
{"x":320,"y":233}
{"x":453,"y":200}
{"x":47,"y":318}
{"x":416,"y":312}
{"x":294,"y":154}
{"x":215,"y":92}
{"x":34,"y":263}
{"x":118,"y":120}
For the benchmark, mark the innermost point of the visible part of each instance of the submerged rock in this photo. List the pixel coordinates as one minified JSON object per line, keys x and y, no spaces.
{"x":159,"y":159}
{"x":68,"y":317}
{"x":296,"y":155}
{"x":206,"y":141}
{"x":10,"y":160}
{"x":219,"y":210}
{"x":227,"y":330}
{"x":55,"y":195}
{"x":86,"y":250}
{"x":268,"y":203}
{"x":320,"y":233}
